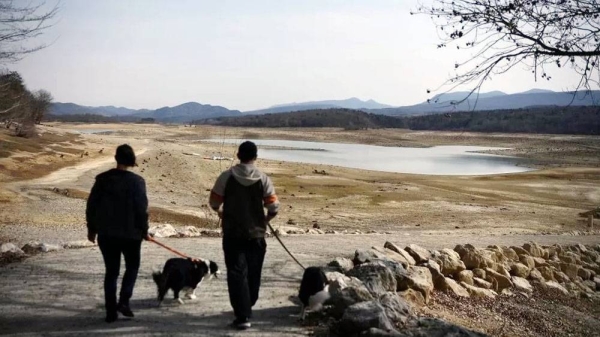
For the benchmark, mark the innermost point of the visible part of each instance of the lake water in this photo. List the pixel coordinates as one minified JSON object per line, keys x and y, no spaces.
{"x":94,"y":131}
{"x":438,"y":160}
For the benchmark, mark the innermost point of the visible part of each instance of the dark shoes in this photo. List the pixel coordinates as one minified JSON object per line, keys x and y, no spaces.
{"x":241,"y":324}
{"x":125,"y":310}
{"x":111,"y":317}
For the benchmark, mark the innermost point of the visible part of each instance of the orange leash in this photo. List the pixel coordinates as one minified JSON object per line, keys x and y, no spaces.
{"x":174,"y":251}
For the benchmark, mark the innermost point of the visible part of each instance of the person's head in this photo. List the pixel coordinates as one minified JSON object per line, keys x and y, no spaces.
{"x":247,"y":152}
{"x":125,"y":156}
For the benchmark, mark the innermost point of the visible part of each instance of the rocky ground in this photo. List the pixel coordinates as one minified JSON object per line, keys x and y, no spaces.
{"x":326,"y":212}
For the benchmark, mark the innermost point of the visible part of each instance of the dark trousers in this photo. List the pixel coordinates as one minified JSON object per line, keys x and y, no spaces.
{"x":111,"y":249}
{"x":244,"y":261}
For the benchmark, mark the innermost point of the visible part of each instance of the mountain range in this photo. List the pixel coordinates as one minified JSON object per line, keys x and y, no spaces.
{"x":450,"y":102}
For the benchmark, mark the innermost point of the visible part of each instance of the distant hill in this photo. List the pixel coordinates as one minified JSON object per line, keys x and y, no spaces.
{"x":335,"y":117}
{"x":350,"y":103}
{"x":178,"y":114}
{"x":495,"y":101}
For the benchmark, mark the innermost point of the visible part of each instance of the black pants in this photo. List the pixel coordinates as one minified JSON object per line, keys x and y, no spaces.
{"x":111,"y":249}
{"x":244,"y":261}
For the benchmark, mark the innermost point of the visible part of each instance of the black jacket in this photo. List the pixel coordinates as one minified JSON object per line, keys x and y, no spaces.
{"x":243,"y":213}
{"x":118,"y":206}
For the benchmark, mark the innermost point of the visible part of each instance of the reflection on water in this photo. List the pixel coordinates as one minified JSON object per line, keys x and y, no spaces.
{"x":438,"y":160}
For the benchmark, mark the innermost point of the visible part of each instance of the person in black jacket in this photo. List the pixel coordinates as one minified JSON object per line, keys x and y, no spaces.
{"x":117,"y":213}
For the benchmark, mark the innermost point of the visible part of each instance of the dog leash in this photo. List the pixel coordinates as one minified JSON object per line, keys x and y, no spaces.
{"x":284,"y":247}
{"x":174,"y":251}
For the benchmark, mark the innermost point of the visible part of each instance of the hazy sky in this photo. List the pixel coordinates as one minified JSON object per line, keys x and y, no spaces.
{"x":246,"y":54}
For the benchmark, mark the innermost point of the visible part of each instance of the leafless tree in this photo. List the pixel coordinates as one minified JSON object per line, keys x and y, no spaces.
{"x":21,"y":22}
{"x":541,"y":34}
{"x":39,"y":105}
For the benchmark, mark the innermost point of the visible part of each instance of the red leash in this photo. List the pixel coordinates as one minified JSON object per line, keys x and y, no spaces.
{"x":174,"y":251}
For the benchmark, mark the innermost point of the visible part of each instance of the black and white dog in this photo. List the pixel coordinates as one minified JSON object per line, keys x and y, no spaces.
{"x":314,"y":290}
{"x":183,"y":274}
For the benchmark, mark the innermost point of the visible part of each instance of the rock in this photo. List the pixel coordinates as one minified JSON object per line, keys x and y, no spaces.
{"x":333,"y":276}
{"x":437,"y":328}
{"x":367,"y":255}
{"x":419,"y":279}
{"x":547,"y":273}
{"x":413,"y":296}
{"x":409,"y":259}
{"x":570,"y":257}
{"x":345,"y":293}
{"x":376,"y":277}
{"x":462,"y":250}
{"x":502,"y":270}
{"x":536,"y":275}
{"x":392,"y":255}
{"x":478,"y":259}
{"x":465,"y":276}
{"x":418,"y":253}
{"x":556,"y":286}
{"x":188,"y":232}
{"x":374,"y":332}
{"x":584,"y":287}
{"x":450,"y":286}
{"x":597,"y":281}
{"x":312,"y":231}
{"x":395,"y":267}
{"x":527,"y":261}
{"x":479,"y":292}
{"x":482,"y":283}
{"x":449,"y":262}
{"x":362,"y":316}
{"x":280,"y":232}
{"x":78,"y":244}
{"x":510,"y":254}
{"x":572,"y":270}
{"x":395,"y":307}
{"x":162,"y":231}
{"x":341,"y":264}
{"x":535,"y":250}
{"x":11,"y":248}
{"x":522,"y":284}
{"x":211,"y":233}
{"x":520,"y":270}
{"x":560,"y":277}
{"x":501,"y":280}
{"x":585,"y":274}
{"x":34,"y":247}
{"x":539,"y":262}
{"x":477,"y":272}
{"x":520,"y":251}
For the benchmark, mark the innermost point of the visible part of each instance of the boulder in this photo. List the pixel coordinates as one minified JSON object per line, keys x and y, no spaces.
{"x":449,"y":262}
{"x":560,"y":277}
{"x":34,"y":247}
{"x":211,"y":233}
{"x":527,"y":261}
{"x":536,"y":275}
{"x":162,"y":231}
{"x":418,"y":253}
{"x":478,"y":272}
{"x":412,"y":296}
{"x":520,"y":251}
{"x":395,"y":307}
{"x":341,"y":264}
{"x":547,"y":273}
{"x":501,"y":280}
{"x":409,"y":259}
{"x":502,"y":270}
{"x":450,"y":286}
{"x":479,"y":292}
{"x":478,"y":259}
{"x":482,"y":283}
{"x":535,"y":250}
{"x":539,"y":262}
{"x":392,"y":255}
{"x":520,"y":270}
{"x":376,"y":277}
{"x":333,"y":276}
{"x":11,"y":248}
{"x":374,"y":332}
{"x":570,"y":269}
{"x":522,"y":284}
{"x":363,"y":316}
{"x":419,"y":279}
{"x":569,"y":257}
{"x":188,"y":232}
{"x":510,"y":254}
{"x":367,"y":255}
{"x":465,"y":276}
{"x":556,"y":286}
{"x":585,"y":274}
{"x":463,"y":249}
{"x":395,"y":267}
{"x":346,"y":293}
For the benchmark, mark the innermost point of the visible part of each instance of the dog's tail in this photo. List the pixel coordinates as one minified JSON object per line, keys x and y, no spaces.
{"x":161,"y":284}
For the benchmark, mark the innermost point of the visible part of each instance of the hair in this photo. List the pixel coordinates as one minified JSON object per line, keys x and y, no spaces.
{"x":125,"y":155}
{"x":247,"y":151}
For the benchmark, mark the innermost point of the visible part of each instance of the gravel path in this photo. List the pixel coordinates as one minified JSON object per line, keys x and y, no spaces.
{"x":60,"y":294}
